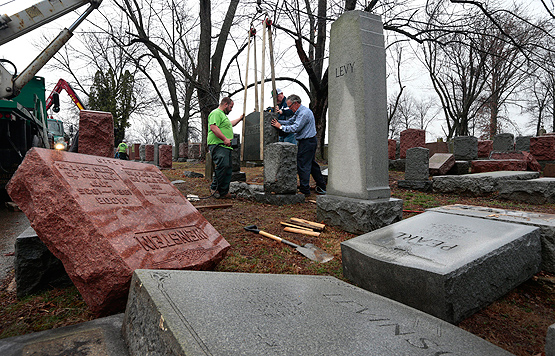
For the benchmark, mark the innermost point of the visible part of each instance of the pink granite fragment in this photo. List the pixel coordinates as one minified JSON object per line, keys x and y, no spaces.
{"x":484,"y":148}
{"x":498,"y":165}
{"x":543,"y":147}
{"x":96,"y":133}
{"x":531,"y":162}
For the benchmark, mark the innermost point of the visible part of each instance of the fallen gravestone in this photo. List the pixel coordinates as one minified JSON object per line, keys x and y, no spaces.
{"x":99,"y":337}
{"x":220,"y":314}
{"x":441,"y":163}
{"x":478,"y":184}
{"x":494,"y":165}
{"x":36,"y":268}
{"x":448,"y":266}
{"x":533,"y":191}
{"x":546,"y":223}
{"x":104,"y":218}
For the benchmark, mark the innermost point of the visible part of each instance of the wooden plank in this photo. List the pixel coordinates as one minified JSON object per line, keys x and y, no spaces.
{"x":300,"y":231}
{"x":295,"y":226}
{"x":309,"y":222}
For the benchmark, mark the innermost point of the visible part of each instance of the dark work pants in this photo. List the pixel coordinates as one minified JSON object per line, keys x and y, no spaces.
{"x":307,"y":165}
{"x":221,"y":157}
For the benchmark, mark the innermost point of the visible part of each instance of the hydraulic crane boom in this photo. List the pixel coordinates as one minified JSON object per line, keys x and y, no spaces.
{"x":63,"y":85}
{"x":37,"y":15}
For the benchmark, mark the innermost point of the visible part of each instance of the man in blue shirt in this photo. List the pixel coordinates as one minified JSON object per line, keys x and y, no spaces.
{"x":304,"y":128}
{"x":285,"y":117}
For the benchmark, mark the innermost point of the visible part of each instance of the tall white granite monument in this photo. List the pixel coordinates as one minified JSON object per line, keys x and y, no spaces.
{"x":359,"y":199}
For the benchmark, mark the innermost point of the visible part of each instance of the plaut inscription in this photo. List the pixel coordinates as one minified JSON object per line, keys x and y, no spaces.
{"x":96,"y":186}
{"x":154,"y":187}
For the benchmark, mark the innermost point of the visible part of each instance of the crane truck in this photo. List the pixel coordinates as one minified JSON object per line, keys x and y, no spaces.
{"x":23,"y":120}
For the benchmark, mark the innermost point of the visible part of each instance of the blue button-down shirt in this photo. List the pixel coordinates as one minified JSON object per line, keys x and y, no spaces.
{"x":304,"y":125}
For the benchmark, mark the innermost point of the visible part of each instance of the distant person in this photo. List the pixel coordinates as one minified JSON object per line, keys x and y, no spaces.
{"x":219,"y":143}
{"x":123,"y":151}
{"x":285,"y":117}
{"x":304,"y":126}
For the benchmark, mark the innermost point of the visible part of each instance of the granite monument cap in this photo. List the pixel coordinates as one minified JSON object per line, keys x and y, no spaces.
{"x":104,"y":218}
{"x":220,"y":314}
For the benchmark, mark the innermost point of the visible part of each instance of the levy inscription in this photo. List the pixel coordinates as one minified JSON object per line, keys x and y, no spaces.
{"x":343,"y":70}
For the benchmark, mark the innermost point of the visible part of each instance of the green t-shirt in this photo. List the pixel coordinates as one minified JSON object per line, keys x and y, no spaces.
{"x":122,"y":147}
{"x":219,"y":118}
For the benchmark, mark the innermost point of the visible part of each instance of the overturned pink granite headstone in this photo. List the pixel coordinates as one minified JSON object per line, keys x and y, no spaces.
{"x":531,"y":162}
{"x":96,"y":133}
{"x":411,"y":138}
{"x":494,"y":165}
{"x":104,"y":218}
{"x":543,"y":147}
{"x":165,"y":156}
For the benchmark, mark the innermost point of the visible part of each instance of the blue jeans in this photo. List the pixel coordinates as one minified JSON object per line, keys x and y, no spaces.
{"x":307,"y":165}
{"x":289,"y":138}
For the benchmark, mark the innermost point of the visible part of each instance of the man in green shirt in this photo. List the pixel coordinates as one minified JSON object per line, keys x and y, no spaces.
{"x":219,"y":143}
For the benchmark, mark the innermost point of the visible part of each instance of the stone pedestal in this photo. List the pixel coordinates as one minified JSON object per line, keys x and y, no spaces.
{"x":280,"y":168}
{"x":358,"y":166}
{"x":96,"y":133}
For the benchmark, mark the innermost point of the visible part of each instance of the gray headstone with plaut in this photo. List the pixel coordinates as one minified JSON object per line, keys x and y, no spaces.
{"x":358,"y":158}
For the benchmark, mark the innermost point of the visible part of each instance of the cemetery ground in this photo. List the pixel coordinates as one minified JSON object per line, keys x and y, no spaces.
{"x":517,"y":322}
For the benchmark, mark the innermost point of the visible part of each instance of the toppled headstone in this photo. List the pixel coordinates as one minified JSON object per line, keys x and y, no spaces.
{"x":546,"y":223}
{"x":522,"y":143}
{"x":410,"y":138}
{"x":534,"y":191}
{"x":190,"y":174}
{"x":484,"y":148}
{"x":36,"y":268}
{"x":441,"y":163}
{"x":200,"y":313}
{"x":465,"y":148}
{"x":531,"y":162}
{"x":96,"y":133}
{"x":478,"y":184}
{"x":504,"y":142}
{"x":104,"y":218}
{"x":494,"y":165}
{"x":543,"y":147}
{"x":449,"y":266}
{"x":280,"y":168}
